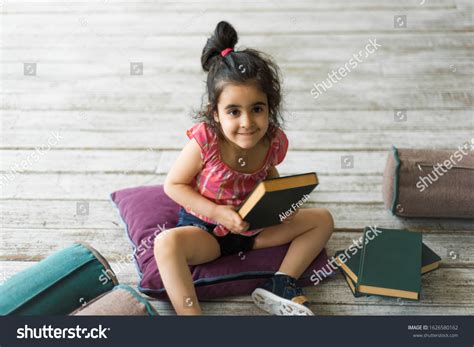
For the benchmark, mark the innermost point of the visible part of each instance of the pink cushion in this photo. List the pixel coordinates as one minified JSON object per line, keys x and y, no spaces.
{"x":146,"y":211}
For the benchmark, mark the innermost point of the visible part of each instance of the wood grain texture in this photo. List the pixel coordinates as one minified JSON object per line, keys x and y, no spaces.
{"x":115,"y":130}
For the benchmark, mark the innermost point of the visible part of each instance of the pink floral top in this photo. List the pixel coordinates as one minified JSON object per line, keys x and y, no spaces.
{"x":223,"y":185}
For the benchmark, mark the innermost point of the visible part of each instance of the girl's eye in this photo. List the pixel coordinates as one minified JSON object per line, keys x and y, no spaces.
{"x":234,"y":112}
{"x":257,"y":109}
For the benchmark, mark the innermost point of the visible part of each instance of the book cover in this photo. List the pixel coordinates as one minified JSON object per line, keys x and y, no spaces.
{"x":350,"y":268}
{"x":390,"y":264}
{"x":350,"y":264}
{"x":274,"y":199}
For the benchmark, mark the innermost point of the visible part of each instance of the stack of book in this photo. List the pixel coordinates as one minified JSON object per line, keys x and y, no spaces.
{"x":389,"y":262}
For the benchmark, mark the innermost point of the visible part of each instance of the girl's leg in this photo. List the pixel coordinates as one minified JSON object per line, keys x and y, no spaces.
{"x":174,"y":250}
{"x":308,"y":232}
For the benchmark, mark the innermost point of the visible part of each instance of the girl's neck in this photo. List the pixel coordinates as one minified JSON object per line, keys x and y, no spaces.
{"x":241,"y":159}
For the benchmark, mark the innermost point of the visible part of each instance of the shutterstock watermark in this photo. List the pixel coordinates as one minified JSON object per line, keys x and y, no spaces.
{"x":145,"y":244}
{"x":19,"y":167}
{"x":355,"y":247}
{"x":424,"y":182}
{"x":48,"y":332}
{"x":343,"y":71}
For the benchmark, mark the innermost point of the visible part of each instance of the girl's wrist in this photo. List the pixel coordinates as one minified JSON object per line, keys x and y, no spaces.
{"x":215,"y":212}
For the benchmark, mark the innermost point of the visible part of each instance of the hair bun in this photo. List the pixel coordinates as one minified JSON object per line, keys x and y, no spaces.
{"x":224,"y":37}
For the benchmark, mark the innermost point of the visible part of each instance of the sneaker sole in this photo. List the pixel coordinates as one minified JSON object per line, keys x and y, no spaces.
{"x":273,"y":304}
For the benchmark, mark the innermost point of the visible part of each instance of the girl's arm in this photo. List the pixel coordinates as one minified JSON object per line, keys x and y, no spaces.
{"x":272,"y":172}
{"x":177,"y":183}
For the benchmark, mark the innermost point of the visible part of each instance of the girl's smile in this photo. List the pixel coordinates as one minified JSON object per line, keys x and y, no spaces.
{"x":247,"y":134}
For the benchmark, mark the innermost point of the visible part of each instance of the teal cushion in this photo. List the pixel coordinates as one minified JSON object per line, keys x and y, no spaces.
{"x":58,"y":284}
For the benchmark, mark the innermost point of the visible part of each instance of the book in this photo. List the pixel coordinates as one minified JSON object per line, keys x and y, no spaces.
{"x":351,"y":285}
{"x":429,"y":260}
{"x":350,"y":268}
{"x":349,"y":264}
{"x":390,"y":264}
{"x":274,"y":199}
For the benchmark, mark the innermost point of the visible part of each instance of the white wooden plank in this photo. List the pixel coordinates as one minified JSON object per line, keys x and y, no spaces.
{"x":183,"y":54}
{"x":204,"y":21}
{"x":131,"y":168}
{"x":54,"y":71}
{"x":300,"y":140}
{"x":178,"y":121}
{"x":335,"y":290}
{"x":25,"y":6}
{"x":97,"y":77}
{"x":62,"y":214}
{"x":465,"y":5}
{"x":149,"y":161}
{"x":342,"y":97}
{"x":249,"y":309}
{"x":72,"y":187}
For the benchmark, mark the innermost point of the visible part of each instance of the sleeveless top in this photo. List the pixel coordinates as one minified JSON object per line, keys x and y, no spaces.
{"x":222,"y":184}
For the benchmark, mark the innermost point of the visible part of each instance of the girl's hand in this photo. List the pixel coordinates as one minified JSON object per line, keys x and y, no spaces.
{"x":291,"y":216}
{"x":228,"y":217}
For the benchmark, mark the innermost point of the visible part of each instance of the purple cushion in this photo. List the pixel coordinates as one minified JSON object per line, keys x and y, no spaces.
{"x":146,"y":211}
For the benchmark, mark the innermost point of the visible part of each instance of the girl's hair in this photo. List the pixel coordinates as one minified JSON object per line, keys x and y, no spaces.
{"x":237,"y":67}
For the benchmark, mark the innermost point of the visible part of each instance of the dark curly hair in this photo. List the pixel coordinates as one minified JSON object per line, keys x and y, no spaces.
{"x":240,"y":67}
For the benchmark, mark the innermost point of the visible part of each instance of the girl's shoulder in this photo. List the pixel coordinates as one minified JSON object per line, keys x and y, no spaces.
{"x":204,"y":136}
{"x":279,"y":142}
{"x":200,"y":131}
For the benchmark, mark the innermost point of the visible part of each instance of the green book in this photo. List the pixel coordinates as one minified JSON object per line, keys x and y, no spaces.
{"x":350,"y":269}
{"x":429,"y":260}
{"x":351,"y":285}
{"x":349,"y":263}
{"x":390,"y":263}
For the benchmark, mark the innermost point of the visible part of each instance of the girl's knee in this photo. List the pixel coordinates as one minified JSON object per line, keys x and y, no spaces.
{"x":325,"y":219}
{"x":166,"y":243}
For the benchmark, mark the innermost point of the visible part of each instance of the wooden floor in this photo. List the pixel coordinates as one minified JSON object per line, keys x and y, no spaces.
{"x":119,"y":130}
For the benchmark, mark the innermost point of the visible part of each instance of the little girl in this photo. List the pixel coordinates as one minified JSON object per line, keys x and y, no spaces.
{"x":237,"y":144}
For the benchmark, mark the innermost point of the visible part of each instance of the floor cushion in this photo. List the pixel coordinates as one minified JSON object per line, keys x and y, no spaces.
{"x":122,"y":300}
{"x":147,"y":211}
{"x":58,"y":284}
{"x":430,"y":183}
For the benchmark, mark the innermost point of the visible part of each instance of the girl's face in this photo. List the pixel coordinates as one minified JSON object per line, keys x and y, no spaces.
{"x":242,"y":112}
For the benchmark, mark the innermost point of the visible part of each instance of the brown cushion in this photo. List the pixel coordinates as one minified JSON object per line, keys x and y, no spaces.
{"x":414,"y":185}
{"x":121,"y":301}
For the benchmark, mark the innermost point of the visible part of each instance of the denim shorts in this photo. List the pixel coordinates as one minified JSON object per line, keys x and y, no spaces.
{"x":229,"y":244}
